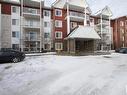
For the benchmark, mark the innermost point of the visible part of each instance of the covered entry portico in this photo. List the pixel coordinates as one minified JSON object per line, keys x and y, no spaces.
{"x":82,"y":39}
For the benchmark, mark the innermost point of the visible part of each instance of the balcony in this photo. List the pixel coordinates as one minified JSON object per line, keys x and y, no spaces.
{"x":30,"y":12}
{"x":76,"y":16}
{"x":104,"y":23}
{"x":31,"y":24}
{"x":31,"y":38}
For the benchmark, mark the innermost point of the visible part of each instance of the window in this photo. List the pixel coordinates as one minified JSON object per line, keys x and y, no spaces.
{"x":46,"y":13}
{"x":58,"y":12}
{"x":15,"y":9}
{"x":58,"y":46}
{"x":58,"y":23}
{"x":15,"y":22}
{"x":15,"y":46}
{"x":47,"y":46}
{"x":121,"y":23}
{"x":46,"y":24}
{"x":46,"y":35}
{"x":15,"y":34}
{"x":58,"y":35}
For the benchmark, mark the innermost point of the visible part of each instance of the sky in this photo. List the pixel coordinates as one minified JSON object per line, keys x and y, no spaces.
{"x":118,"y":7}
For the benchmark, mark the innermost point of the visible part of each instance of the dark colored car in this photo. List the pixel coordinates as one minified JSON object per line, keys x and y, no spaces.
{"x":122,"y":50}
{"x":11,"y":56}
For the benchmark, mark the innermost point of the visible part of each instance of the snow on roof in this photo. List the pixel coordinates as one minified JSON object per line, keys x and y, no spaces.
{"x":61,"y":3}
{"x":105,"y":11}
{"x":85,"y":32}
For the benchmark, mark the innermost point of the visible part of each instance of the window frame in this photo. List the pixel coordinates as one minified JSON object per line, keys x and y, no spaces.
{"x":58,"y":10}
{"x":59,"y":33}
{"x":58,"y":23}
{"x":46,"y":12}
{"x":57,"y":46}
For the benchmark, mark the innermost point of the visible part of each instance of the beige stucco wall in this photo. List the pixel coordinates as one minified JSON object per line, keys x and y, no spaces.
{"x":5,"y":31}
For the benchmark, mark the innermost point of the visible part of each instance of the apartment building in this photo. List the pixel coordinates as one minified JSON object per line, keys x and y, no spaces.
{"x":119,"y":32}
{"x":68,"y":25}
{"x":26,"y":25}
{"x":73,"y":25}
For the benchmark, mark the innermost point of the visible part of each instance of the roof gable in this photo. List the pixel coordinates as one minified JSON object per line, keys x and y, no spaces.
{"x":85,"y":32}
{"x":107,"y":11}
{"x":62,"y":3}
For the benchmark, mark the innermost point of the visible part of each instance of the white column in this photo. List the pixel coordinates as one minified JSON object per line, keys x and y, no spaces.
{"x":21,"y":27}
{"x":40,"y":26}
{"x":85,"y":17}
{"x":110,"y":34}
{"x":68,"y":18}
{"x":101,"y":33}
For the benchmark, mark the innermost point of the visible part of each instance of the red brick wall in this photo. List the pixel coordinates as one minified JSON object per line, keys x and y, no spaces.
{"x":63,"y":29}
{"x":6,"y":9}
{"x":117,"y":34}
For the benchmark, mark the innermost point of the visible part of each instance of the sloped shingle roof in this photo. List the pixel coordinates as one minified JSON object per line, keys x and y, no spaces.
{"x":84,"y":32}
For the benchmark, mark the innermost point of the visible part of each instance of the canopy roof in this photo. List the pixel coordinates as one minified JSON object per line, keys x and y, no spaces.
{"x":84,"y":32}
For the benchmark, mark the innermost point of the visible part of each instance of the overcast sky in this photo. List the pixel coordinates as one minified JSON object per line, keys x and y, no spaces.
{"x":118,"y":7}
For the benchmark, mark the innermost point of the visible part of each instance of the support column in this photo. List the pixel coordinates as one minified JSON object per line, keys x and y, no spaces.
{"x":74,"y":46}
{"x":40,"y":27}
{"x":110,"y":34}
{"x":68,"y":46}
{"x":101,"y":34}
{"x":68,"y":18}
{"x":85,"y":17}
{"x":21,"y":26}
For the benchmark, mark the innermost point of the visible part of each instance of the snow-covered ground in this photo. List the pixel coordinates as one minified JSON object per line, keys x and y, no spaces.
{"x":65,"y":75}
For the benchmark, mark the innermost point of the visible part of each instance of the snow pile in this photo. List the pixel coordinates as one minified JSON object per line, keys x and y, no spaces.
{"x":65,"y":75}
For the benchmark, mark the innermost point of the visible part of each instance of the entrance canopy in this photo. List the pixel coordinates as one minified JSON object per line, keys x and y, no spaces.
{"x":84,"y":32}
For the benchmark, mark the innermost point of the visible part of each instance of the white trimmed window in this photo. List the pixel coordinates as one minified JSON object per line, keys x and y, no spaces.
{"x":58,"y":23}
{"x":58,"y":35}
{"x":15,"y":9}
{"x":58,"y":46}
{"x":46,"y":13}
{"x":46,"y":35}
{"x":15,"y":34}
{"x":46,"y":24}
{"x":58,"y":12}
{"x":15,"y":22}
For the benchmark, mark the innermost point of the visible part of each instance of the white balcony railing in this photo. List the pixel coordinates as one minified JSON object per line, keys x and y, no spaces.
{"x":76,"y":14}
{"x":106,"y":22}
{"x":32,"y":38}
{"x":31,"y":11}
{"x":31,"y":24}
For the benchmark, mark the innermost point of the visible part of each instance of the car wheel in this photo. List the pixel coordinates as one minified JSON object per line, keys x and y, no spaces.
{"x":15,"y":60}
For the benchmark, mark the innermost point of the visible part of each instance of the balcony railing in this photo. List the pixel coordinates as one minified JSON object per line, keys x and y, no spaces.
{"x":31,"y":24}
{"x":32,"y":38}
{"x":31,"y":11}
{"x":76,"y":14}
{"x":106,"y":22}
